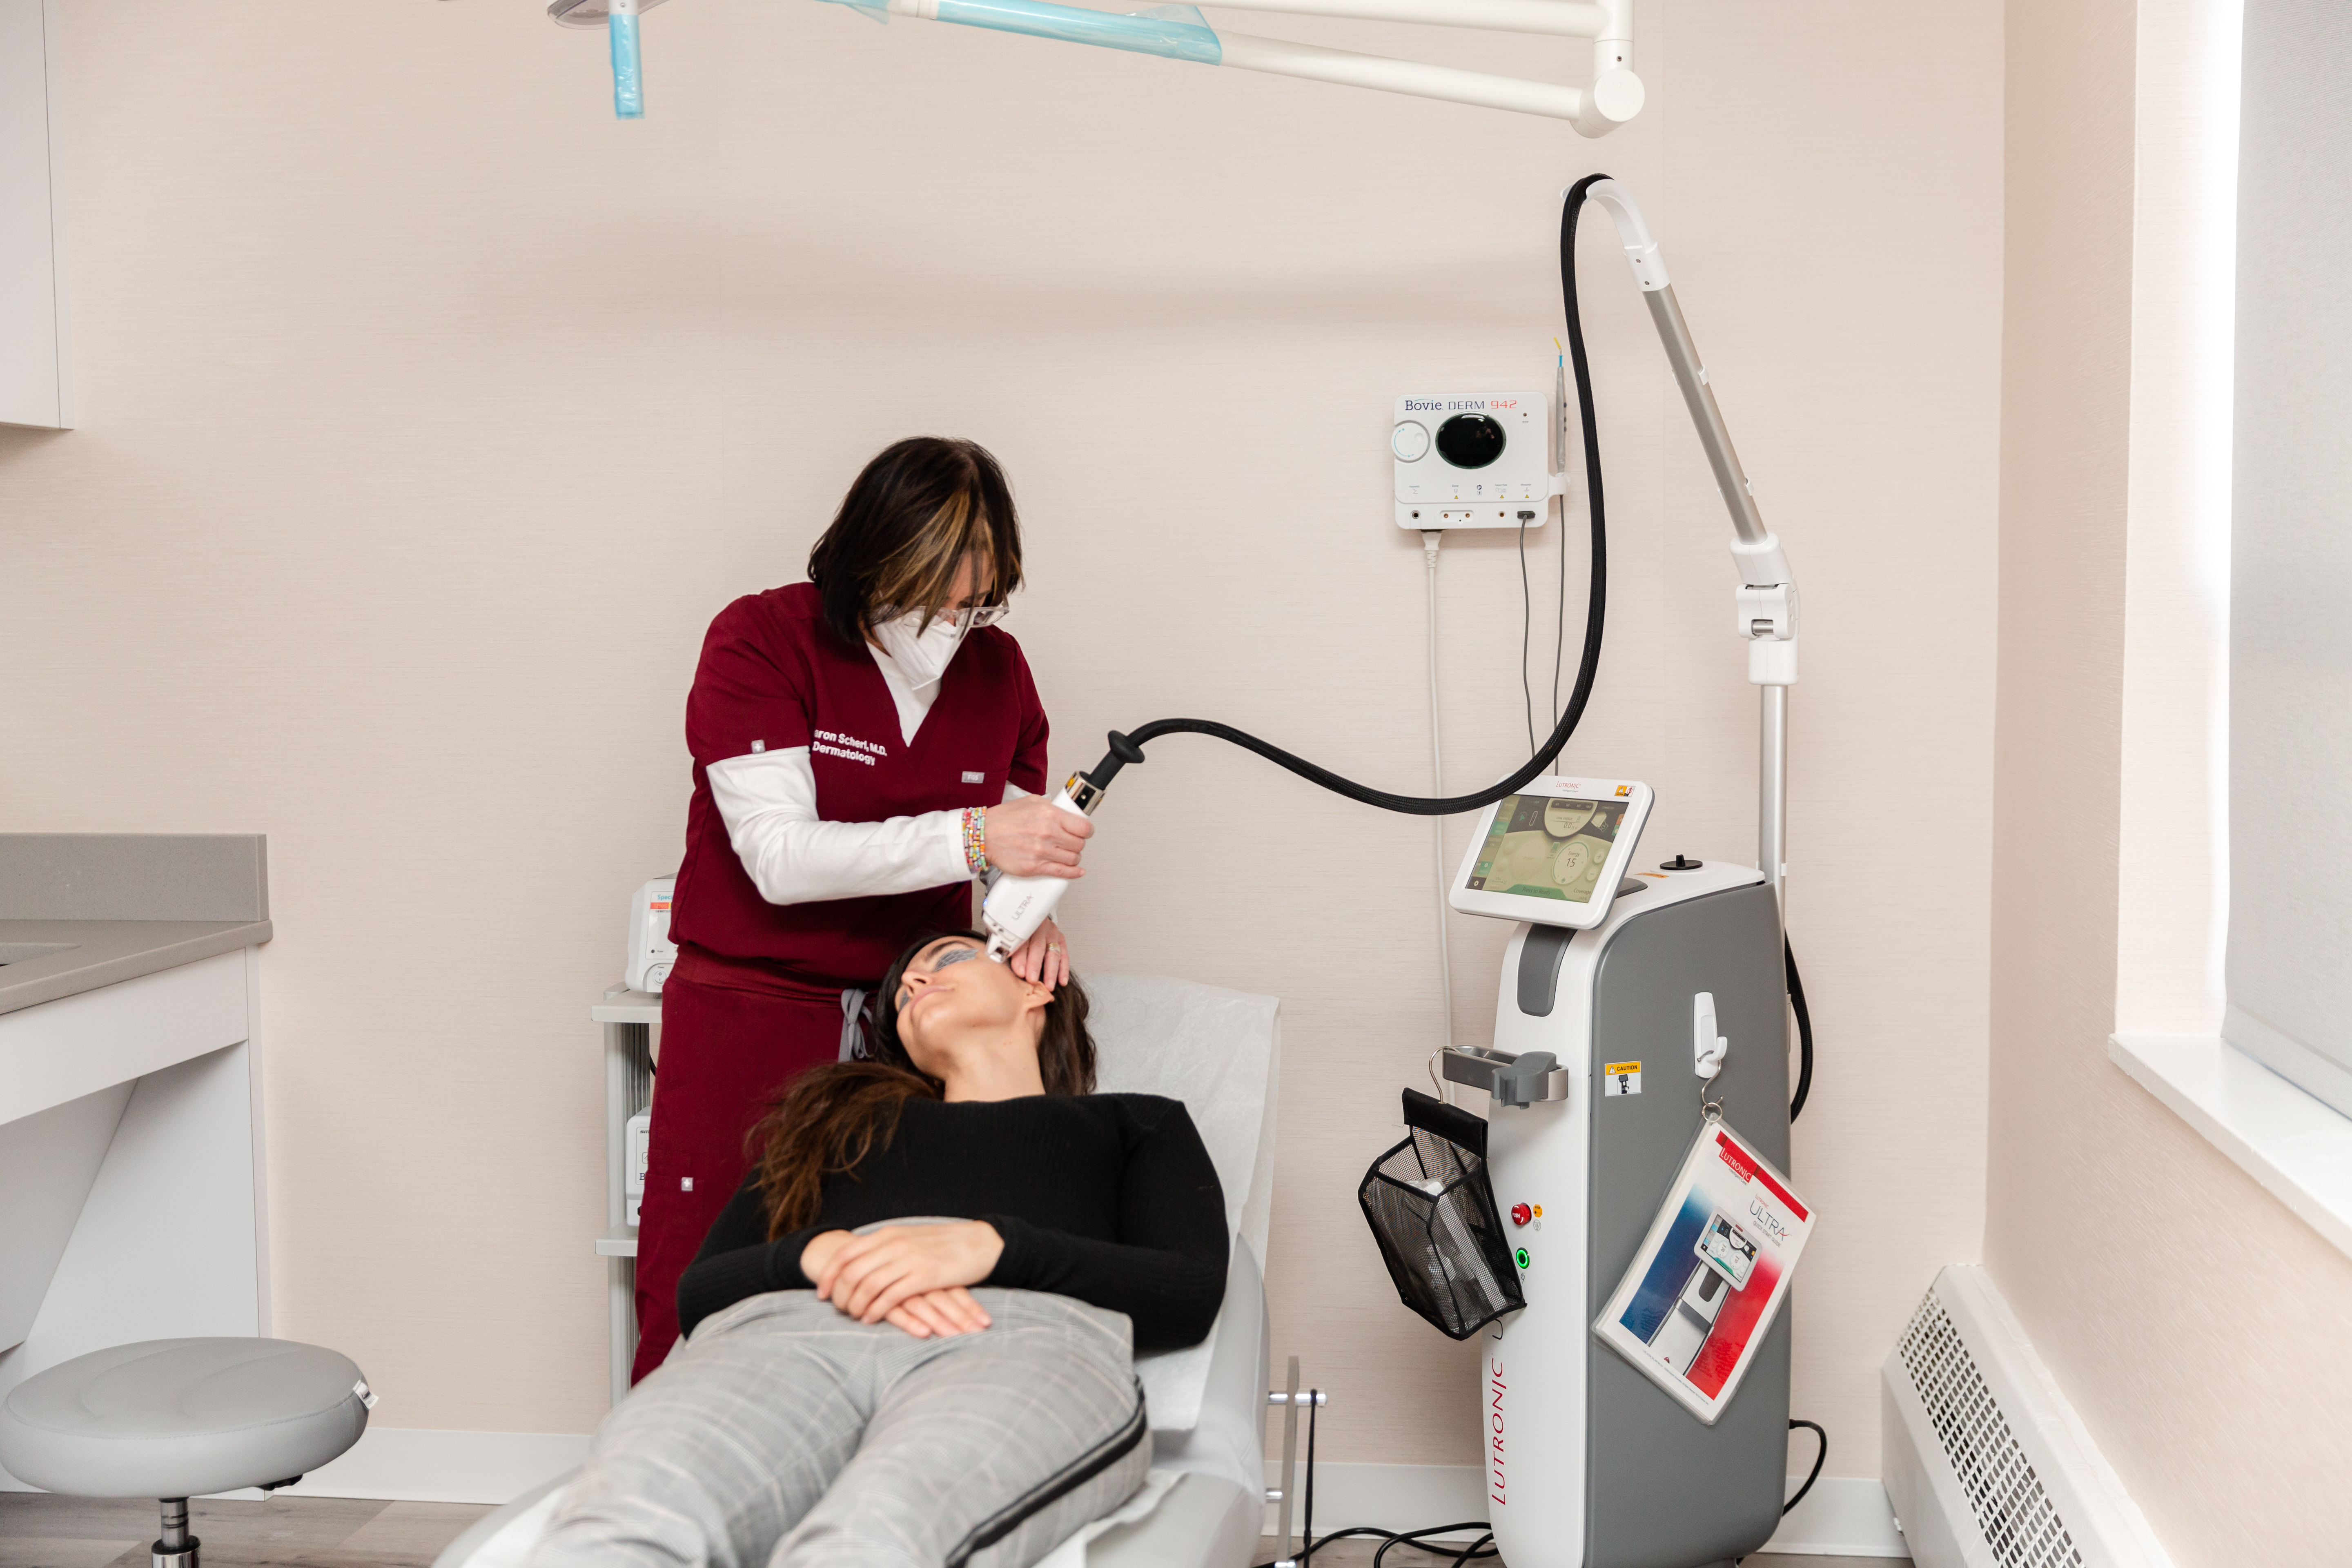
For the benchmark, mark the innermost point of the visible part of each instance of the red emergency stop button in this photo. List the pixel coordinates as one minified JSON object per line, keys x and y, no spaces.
{"x":1520,"y":1213}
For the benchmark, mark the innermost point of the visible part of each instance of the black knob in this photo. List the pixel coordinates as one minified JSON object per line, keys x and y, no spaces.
{"x":1680,"y":863}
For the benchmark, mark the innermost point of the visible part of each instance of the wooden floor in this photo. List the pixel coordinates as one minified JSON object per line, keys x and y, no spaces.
{"x":38,"y":1531}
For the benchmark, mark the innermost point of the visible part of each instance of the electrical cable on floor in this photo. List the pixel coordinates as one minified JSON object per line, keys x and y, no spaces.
{"x":1804,"y":1031}
{"x":1483,"y":1547}
{"x":1814,"y":1428}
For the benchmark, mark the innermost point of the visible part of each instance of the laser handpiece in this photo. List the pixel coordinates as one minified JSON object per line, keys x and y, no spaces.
{"x":1017,"y":906}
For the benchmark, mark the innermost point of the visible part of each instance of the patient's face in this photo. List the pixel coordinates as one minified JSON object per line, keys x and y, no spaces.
{"x":950,"y":991}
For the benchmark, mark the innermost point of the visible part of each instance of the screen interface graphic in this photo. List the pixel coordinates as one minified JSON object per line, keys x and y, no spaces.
{"x":1542,"y":846}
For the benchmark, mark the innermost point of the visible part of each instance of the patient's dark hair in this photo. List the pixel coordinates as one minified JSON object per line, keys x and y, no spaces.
{"x":832,"y":1116}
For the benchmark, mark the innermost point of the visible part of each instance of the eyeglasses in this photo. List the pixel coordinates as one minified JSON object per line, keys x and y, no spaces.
{"x":971,"y":618}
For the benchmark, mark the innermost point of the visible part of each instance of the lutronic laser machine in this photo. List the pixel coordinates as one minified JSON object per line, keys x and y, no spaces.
{"x":1640,"y":997}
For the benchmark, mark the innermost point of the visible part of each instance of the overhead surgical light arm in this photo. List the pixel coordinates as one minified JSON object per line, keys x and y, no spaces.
{"x":1180,"y":32}
{"x":1767,"y":600}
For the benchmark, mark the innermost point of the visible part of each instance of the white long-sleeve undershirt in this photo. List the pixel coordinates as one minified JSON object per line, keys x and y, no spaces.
{"x":768,"y":800}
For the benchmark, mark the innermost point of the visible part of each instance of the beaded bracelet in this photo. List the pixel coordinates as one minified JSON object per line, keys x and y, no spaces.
{"x":976,"y":839}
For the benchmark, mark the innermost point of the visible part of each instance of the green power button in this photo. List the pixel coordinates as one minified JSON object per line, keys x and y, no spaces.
{"x":1521,"y":1255}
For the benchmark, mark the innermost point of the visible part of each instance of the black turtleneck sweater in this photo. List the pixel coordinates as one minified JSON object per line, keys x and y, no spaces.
{"x":1109,"y":1199}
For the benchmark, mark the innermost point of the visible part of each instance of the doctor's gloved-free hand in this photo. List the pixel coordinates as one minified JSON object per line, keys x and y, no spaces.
{"x":1032,"y":837}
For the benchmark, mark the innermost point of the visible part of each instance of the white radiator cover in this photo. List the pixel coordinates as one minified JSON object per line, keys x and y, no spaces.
{"x":1986,"y":1464}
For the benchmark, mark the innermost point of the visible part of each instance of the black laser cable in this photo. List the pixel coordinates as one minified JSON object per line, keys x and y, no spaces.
{"x":1804,"y":1030}
{"x":1128,"y":748}
{"x":1820,"y":1454}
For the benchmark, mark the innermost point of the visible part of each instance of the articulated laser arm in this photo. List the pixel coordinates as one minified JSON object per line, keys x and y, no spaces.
{"x":1767,"y":591}
{"x":1180,"y":32}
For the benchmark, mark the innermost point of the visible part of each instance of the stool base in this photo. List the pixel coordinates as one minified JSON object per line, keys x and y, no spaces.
{"x":177,"y":1549}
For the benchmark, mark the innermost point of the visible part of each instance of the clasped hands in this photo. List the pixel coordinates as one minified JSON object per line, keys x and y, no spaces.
{"x":911,"y":1275}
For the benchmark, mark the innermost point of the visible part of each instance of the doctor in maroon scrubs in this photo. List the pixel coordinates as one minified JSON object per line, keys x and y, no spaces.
{"x":866,"y":745}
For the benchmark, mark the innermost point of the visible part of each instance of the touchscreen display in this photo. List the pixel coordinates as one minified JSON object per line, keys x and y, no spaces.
{"x":1545,"y":846}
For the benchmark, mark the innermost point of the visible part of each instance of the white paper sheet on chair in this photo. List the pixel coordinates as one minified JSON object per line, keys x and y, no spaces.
{"x":1218,"y":1051}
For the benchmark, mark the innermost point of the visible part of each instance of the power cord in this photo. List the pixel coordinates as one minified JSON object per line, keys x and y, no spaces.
{"x":1527,"y":635}
{"x":1823,"y":1453}
{"x":1481,"y":1548}
{"x":1431,"y":538}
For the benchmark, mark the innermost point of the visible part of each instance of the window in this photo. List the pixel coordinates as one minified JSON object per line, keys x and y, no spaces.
{"x":2289,"y":974}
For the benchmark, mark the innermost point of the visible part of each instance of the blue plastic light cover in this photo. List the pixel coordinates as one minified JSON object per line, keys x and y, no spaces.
{"x":1175,"y":32}
{"x":628,"y":82}
{"x":1140,"y":35}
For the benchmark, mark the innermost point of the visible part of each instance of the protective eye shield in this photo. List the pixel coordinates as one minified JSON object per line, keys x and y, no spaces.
{"x":952,"y":956}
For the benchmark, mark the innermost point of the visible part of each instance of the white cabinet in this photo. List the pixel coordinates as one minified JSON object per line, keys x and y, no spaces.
{"x":35,"y":366}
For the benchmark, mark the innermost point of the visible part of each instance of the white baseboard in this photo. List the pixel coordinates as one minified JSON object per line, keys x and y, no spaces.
{"x":1843,"y":1516}
{"x":409,"y":1464}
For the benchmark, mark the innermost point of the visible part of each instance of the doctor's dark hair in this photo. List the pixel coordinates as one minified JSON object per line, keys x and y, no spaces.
{"x":908,"y":520}
{"x":832,"y":1116}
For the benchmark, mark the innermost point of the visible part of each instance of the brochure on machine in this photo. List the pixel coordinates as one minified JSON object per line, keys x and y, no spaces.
{"x":1709,"y":1279}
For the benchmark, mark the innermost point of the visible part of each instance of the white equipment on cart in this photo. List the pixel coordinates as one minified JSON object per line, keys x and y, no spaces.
{"x":650,"y":951}
{"x":1607,"y":1039}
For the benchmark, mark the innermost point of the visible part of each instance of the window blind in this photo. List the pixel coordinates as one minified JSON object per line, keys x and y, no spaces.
{"x":2290,"y":942}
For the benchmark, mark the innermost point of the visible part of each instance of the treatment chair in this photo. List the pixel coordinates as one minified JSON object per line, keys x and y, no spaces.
{"x":1204,"y":1502}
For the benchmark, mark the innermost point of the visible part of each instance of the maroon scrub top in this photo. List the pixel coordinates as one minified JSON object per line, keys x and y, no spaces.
{"x":774,"y":676}
{"x":755,"y":997}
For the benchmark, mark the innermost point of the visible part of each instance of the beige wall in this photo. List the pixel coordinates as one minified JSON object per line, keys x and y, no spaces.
{"x":2232,"y":1448}
{"x":428,"y":415}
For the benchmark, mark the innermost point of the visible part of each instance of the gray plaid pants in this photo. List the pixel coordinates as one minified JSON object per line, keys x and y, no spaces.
{"x":785,"y":1434}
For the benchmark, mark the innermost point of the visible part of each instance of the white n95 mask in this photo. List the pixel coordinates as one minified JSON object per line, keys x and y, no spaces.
{"x":922,"y":655}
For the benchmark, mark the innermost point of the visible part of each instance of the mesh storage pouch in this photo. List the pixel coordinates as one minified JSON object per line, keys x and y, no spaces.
{"x":1433,"y":1212}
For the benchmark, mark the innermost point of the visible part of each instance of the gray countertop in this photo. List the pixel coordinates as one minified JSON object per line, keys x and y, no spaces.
{"x":79,"y":911}
{"x":91,"y":954}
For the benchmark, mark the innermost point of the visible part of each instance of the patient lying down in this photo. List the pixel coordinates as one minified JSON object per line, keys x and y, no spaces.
{"x":912,"y":1331}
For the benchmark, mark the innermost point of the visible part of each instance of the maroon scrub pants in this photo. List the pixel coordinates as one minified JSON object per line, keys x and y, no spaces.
{"x":725,"y":1055}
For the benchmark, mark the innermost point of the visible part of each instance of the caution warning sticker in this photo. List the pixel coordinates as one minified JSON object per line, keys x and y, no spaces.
{"x":1620,"y":1078}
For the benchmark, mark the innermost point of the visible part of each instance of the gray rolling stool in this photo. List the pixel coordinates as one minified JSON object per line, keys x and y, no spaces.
{"x":173,"y":1419}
